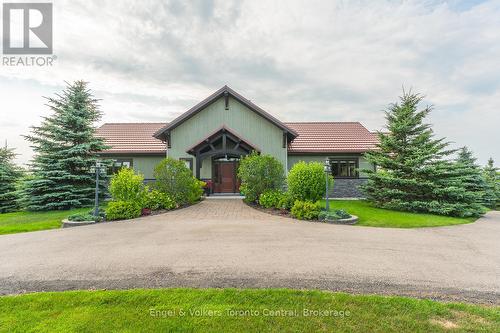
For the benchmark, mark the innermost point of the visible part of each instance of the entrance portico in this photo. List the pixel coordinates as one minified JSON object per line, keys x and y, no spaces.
{"x":223,"y":148}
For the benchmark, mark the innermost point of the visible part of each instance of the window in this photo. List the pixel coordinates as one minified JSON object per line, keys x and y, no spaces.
{"x":188,"y":162}
{"x":121,"y":163}
{"x":344,"y":168}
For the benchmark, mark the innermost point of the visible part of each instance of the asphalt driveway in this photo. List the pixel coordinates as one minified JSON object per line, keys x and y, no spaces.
{"x":224,"y":243}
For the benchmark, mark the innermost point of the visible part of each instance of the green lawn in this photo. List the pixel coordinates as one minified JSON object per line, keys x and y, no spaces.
{"x":31,"y":221}
{"x":232,"y":310}
{"x":378,"y":217}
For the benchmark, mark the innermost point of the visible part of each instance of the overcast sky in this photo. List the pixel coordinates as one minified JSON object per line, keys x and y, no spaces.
{"x":299,"y":60}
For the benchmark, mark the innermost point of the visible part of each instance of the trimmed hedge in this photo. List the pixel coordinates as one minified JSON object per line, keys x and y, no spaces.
{"x":307,"y":181}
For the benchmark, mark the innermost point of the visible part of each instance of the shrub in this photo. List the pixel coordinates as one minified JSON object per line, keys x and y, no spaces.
{"x":260,"y":173}
{"x":101,"y":213}
{"x":334,"y":215}
{"x":306,"y":181}
{"x":126,"y":185}
{"x":175,"y":179}
{"x":84,"y":217}
{"x":122,"y":210}
{"x":271,"y":198}
{"x":196,"y":190}
{"x":155,"y":200}
{"x":306,"y":210}
{"x":286,"y":201}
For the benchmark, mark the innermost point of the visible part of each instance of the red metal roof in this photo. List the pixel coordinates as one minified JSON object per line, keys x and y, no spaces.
{"x":331,"y":137}
{"x":134,"y":138}
{"x":313,"y":137}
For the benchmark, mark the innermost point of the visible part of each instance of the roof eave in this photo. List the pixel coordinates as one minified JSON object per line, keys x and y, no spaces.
{"x":329,"y":151}
{"x":131,"y":152}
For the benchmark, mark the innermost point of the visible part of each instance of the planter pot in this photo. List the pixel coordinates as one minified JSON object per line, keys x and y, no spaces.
{"x":146,"y":211}
{"x":350,"y":221}
{"x":68,"y":224}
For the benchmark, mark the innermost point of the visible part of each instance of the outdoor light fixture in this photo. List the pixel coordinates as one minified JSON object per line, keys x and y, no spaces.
{"x":327,"y":169}
{"x":97,"y":171}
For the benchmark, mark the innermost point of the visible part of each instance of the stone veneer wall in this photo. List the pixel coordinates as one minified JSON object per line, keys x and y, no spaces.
{"x":347,"y":188}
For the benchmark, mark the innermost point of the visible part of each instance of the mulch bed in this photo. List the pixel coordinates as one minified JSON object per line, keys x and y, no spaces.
{"x":272,"y":211}
{"x":154,"y":212}
{"x":163,"y":211}
{"x":285,"y":213}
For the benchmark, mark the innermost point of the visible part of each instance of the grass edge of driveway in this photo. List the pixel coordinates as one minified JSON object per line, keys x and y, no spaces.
{"x":27,"y":221}
{"x":227,"y":310}
{"x":372,"y":216}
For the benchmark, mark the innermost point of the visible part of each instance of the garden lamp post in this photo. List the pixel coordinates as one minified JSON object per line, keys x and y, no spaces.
{"x":327,"y":169}
{"x":97,"y":171}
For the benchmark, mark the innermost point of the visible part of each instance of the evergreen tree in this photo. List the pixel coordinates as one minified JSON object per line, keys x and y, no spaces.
{"x":412,"y":172}
{"x":9,"y":175}
{"x":66,"y":149}
{"x":470,"y":174}
{"x":491,"y":176}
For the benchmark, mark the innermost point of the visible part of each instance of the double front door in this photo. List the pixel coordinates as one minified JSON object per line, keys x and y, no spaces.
{"x":224,"y":177}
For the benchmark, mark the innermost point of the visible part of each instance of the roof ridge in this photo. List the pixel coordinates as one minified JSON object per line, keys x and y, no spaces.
{"x":322,"y":122}
{"x":136,"y":123}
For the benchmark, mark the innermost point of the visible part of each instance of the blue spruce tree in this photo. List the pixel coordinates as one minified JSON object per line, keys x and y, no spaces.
{"x":491,"y":176}
{"x":66,"y":149}
{"x":9,"y":175}
{"x":413,"y":172}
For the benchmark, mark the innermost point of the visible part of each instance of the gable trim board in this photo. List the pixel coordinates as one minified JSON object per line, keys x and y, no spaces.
{"x":226,"y":110}
{"x":225,"y":92}
{"x":223,"y":128}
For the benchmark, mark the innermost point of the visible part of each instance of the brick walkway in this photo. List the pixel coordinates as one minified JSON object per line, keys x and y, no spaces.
{"x":226,"y":209}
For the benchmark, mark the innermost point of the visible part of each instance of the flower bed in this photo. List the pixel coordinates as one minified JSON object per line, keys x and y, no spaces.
{"x":131,"y":198}
{"x":82,"y":219}
{"x":306,"y":186}
{"x":351,"y":220}
{"x":175,"y":187}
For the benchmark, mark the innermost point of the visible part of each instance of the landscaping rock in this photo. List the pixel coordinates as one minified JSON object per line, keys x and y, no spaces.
{"x":350,"y":221}
{"x":67,"y":223}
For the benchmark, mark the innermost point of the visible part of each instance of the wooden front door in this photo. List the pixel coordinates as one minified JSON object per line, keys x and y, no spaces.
{"x":224,"y":177}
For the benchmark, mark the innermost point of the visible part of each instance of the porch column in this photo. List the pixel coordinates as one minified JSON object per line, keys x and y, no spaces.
{"x":198,"y":165}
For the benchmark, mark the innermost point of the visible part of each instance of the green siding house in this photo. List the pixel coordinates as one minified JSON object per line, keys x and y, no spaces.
{"x":213,"y":135}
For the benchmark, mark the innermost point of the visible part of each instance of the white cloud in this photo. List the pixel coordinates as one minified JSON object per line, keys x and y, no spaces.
{"x":300,"y":60}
